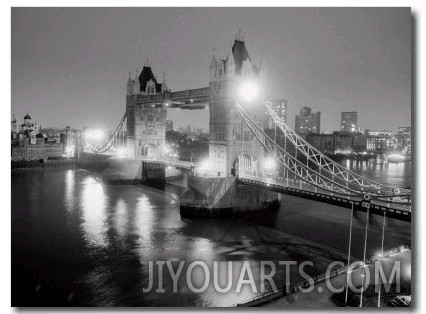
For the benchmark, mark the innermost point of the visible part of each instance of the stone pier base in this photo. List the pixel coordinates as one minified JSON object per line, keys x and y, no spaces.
{"x":212,"y":197}
{"x":124,"y":171}
{"x":129,"y":171}
{"x":154,"y":175}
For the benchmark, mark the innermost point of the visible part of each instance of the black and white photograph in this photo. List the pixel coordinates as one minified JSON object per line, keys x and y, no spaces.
{"x":212,"y":157}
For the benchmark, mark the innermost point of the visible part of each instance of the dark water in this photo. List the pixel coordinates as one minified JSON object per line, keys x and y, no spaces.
{"x":79,"y":241}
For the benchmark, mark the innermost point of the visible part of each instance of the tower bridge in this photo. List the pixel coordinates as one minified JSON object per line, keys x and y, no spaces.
{"x":237,"y":176}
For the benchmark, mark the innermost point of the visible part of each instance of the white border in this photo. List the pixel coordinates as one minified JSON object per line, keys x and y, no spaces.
{"x":418,"y":9}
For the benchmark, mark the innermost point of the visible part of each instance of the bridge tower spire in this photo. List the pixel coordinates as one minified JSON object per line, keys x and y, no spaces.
{"x":239,"y":36}
{"x":129,"y":85}
{"x":213,"y":65}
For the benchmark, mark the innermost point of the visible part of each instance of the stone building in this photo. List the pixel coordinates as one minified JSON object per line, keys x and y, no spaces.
{"x":28,"y":144}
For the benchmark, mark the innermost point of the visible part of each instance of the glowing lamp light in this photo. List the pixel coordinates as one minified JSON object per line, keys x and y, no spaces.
{"x":269,"y":163}
{"x":121,"y":152}
{"x":69,"y":150}
{"x":396,"y":156}
{"x":205,"y":165}
{"x":94,"y":134}
{"x":248,"y":91}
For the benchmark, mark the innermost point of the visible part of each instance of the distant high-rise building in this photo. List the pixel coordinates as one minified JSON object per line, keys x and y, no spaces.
{"x":349,"y":121}
{"x":169,"y":125}
{"x":280,"y":108}
{"x":308,"y":121}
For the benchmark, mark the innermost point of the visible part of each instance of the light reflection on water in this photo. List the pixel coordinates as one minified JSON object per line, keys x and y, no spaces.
{"x":113,"y":231}
{"x":144,"y":224}
{"x":121,"y":218}
{"x":395,"y":174}
{"x":93,"y":205}
{"x":69,"y":190}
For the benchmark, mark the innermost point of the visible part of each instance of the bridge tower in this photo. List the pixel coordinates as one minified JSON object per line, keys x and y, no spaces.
{"x":230,"y":143}
{"x":146,"y":129}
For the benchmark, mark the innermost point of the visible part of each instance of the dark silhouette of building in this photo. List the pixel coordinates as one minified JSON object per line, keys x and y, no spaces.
{"x":308,"y":122}
{"x":349,"y":121}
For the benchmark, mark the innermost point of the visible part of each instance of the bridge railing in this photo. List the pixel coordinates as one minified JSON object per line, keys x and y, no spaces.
{"x":168,"y":161}
{"x":290,"y":183}
{"x":298,"y":184}
{"x":179,"y":95}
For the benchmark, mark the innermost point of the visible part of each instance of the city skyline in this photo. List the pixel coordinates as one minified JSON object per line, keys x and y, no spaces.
{"x":59,"y":73}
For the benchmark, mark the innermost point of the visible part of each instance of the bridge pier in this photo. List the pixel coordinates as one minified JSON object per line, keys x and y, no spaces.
{"x":93,"y":162}
{"x":223,"y":196}
{"x":153,"y":174}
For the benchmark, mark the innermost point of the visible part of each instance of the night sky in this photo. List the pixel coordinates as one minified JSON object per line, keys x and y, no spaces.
{"x":70,"y":65}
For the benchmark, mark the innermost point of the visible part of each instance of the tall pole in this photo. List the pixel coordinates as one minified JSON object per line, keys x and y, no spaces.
{"x":242,"y":146}
{"x":349,"y":251}
{"x":365,"y":251}
{"x":275,"y":135}
{"x":285,"y":148}
{"x":275,"y":130}
{"x":381,"y":256}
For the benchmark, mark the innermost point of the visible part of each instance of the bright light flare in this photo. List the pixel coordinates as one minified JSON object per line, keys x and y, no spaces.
{"x":269,"y":163}
{"x":396,"y":156}
{"x":248,"y":91}
{"x":94,"y":134}
{"x":121,"y":152}
{"x":205,"y":165}
{"x":69,"y":150}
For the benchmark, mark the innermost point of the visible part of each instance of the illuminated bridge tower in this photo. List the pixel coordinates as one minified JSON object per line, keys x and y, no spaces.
{"x":230,"y":147}
{"x":146,"y":129}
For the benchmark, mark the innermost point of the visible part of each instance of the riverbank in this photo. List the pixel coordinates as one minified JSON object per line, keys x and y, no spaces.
{"x":40,"y":164}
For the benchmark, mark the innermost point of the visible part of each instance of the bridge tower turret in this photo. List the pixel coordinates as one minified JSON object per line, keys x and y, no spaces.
{"x":164,"y":86}
{"x":229,"y":143}
{"x":129,"y":85}
{"x":136,"y":84}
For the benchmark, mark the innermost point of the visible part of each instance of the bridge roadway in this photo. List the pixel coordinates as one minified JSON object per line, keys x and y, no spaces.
{"x":299,"y":188}
{"x":172,"y":162}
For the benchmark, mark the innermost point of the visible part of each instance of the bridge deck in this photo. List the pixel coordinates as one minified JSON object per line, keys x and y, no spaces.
{"x":172,"y":162}
{"x":297,"y":188}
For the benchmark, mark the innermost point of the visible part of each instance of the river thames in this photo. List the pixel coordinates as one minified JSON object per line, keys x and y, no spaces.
{"x":78,"y":241}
